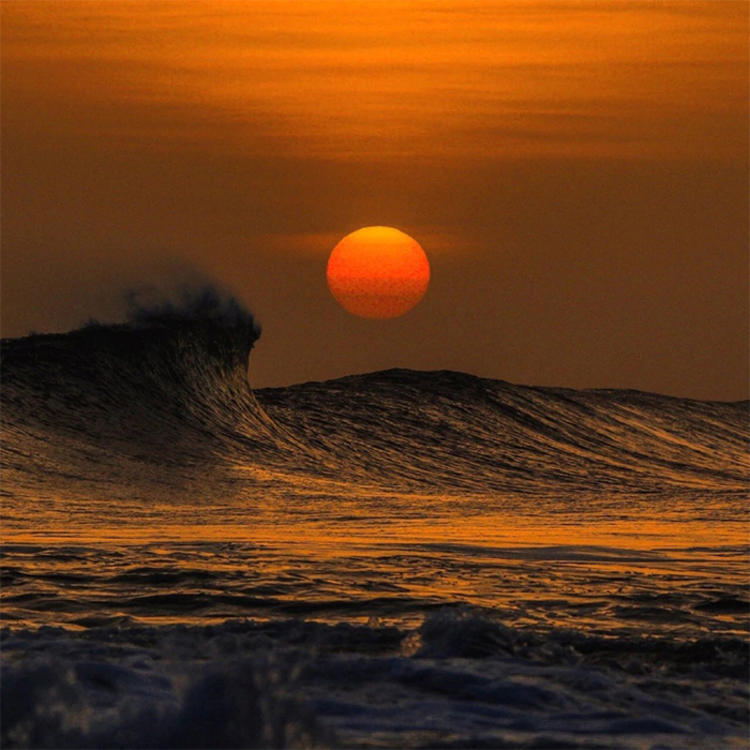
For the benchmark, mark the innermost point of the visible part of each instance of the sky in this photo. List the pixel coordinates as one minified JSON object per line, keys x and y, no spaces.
{"x":575,"y":170}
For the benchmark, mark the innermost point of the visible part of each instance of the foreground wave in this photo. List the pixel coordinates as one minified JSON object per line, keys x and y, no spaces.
{"x":170,"y":389}
{"x":462,"y":679}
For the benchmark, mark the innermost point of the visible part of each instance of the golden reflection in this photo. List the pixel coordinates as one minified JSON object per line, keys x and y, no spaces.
{"x":402,"y":548}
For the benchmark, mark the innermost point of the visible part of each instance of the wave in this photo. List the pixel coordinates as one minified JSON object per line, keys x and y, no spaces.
{"x":448,"y":428}
{"x":167,"y":394}
{"x":168,"y":389}
{"x":462,"y":679}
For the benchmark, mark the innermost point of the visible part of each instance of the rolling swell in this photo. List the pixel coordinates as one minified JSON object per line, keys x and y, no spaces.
{"x":457,"y":430}
{"x":169,"y":390}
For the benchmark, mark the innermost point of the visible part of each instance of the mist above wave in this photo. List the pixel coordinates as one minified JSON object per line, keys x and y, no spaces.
{"x":190,"y":305}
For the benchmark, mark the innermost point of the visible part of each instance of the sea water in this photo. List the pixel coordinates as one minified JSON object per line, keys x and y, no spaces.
{"x":399,"y":559}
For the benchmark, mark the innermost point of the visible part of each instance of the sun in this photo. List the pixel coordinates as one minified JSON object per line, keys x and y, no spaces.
{"x":378,"y":272}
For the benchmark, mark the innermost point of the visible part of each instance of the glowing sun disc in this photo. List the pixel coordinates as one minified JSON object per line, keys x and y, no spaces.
{"x":378,"y":272}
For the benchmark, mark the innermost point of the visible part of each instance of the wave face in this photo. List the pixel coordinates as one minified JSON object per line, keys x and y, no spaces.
{"x":448,"y":429}
{"x":170,"y":390}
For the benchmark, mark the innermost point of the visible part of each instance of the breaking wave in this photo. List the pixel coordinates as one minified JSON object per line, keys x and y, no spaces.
{"x":170,"y":389}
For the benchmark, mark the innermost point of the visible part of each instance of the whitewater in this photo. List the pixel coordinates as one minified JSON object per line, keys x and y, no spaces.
{"x":394,"y":559}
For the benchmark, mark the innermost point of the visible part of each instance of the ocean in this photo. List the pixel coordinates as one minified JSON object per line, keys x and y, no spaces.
{"x":396,"y":559}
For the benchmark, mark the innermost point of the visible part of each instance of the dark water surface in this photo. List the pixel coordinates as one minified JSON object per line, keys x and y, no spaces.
{"x":399,"y":559}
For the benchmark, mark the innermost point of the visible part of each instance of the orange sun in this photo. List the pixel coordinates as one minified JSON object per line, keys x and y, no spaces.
{"x":378,"y":272}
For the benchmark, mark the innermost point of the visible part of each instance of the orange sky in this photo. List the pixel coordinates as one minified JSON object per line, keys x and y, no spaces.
{"x":575,"y":170}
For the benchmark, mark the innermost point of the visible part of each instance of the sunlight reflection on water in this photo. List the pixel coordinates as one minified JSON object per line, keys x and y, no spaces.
{"x":622,"y":564}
